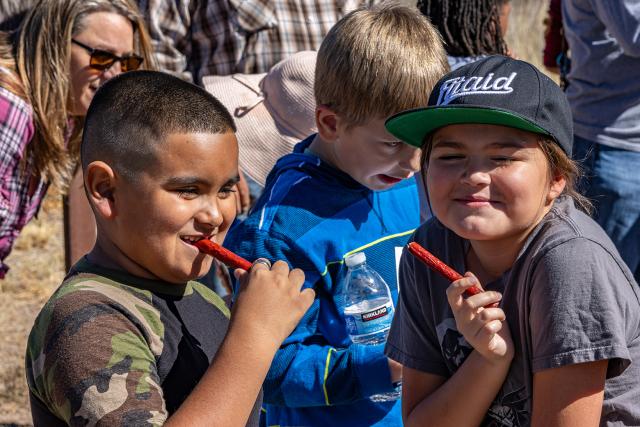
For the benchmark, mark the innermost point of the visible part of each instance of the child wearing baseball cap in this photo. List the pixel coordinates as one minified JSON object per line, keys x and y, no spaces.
{"x":496,"y":138}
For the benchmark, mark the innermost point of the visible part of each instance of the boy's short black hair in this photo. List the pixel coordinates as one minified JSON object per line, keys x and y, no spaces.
{"x":135,"y":111}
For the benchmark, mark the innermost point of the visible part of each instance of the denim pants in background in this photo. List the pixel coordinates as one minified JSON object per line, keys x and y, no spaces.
{"x":612,"y":182}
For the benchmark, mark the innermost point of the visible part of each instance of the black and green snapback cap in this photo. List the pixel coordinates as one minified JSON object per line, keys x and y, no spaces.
{"x":495,"y":90}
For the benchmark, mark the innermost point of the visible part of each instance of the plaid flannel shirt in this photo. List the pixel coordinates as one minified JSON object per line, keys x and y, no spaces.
{"x":20,"y":191}
{"x":196,"y":38}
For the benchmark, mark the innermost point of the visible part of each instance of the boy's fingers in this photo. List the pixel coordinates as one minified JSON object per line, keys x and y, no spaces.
{"x":261,"y":264}
{"x":239,"y":274}
{"x":281,"y":267}
{"x":297,"y":277}
{"x":307,"y":296}
{"x":242,"y":277}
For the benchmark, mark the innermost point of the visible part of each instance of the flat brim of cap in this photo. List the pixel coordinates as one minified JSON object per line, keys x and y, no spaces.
{"x":413,"y":126}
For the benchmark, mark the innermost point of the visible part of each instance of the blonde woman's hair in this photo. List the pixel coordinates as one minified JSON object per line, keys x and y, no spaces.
{"x":41,"y":67}
{"x":378,"y":61}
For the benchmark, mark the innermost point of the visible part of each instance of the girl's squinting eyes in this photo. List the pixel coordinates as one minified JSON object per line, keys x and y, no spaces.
{"x":502,"y":159}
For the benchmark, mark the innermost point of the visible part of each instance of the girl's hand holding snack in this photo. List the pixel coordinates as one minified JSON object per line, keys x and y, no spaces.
{"x":484,"y":328}
{"x":270,"y":302}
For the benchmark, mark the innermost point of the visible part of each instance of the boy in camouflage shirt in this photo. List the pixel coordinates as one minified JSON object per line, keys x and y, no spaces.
{"x":129,"y":338}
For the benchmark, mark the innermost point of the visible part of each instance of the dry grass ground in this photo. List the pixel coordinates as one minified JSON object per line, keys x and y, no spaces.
{"x":37,"y":268}
{"x":37,"y":261}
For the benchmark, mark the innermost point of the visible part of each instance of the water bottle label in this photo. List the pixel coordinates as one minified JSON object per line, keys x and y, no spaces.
{"x":369,"y":322}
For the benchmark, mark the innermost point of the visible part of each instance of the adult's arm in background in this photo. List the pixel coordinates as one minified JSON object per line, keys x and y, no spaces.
{"x":622,"y":21}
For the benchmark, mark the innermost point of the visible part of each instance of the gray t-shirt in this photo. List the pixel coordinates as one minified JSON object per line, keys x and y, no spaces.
{"x":568,"y":299}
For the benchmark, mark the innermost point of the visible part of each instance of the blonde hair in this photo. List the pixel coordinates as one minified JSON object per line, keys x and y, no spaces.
{"x":560,"y":164}
{"x":41,"y":70}
{"x":378,"y":61}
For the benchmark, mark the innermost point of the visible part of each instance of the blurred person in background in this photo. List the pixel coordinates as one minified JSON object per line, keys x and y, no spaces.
{"x":604,"y":93}
{"x":555,"y":56}
{"x":471,"y":29}
{"x":197,"y":38}
{"x":63,"y":51}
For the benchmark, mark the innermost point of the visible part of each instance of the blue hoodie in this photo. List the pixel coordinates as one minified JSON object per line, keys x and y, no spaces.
{"x":313,"y":215}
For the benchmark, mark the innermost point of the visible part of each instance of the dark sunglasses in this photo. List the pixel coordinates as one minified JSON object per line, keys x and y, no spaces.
{"x":103,"y":60}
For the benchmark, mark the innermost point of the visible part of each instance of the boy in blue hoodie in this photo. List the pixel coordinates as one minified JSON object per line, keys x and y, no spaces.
{"x":345,"y":190}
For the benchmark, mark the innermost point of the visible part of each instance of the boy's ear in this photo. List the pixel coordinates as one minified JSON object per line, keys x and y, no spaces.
{"x":327,"y":122}
{"x":99,"y":181}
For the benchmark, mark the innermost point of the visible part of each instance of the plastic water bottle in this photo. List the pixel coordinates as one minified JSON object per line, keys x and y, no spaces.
{"x":368,"y":308}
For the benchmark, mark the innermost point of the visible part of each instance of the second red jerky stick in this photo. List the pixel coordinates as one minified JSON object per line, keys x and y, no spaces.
{"x":436,"y":265}
{"x":223,"y":255}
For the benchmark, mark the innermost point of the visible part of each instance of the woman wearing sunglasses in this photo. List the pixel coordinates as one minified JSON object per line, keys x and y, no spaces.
{"x":63,"y":51}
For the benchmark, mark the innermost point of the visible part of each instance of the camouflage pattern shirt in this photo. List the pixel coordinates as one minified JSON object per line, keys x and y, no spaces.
{"x":109,"y":348}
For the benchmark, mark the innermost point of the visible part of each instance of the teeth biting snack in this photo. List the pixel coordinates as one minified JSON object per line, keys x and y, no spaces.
{"x":440,"y":267}
{"x":221,"y":254}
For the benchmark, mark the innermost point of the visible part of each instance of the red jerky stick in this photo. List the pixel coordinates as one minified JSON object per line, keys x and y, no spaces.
{"x":438,"y":266}
{"x":435,"y":264}
{"x":224,"y":255}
